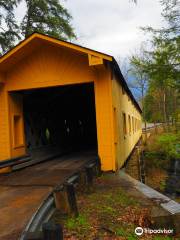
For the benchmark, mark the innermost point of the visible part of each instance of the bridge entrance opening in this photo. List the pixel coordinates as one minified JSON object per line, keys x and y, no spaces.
{"x":61,"y":117}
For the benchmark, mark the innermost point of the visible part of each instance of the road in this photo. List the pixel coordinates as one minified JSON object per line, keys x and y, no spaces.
{"x":22,"y":191}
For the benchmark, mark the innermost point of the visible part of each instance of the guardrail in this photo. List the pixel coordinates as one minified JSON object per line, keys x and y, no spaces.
{"x":50,"y":231}
{"x":152,"y":127}
{"x":39,"y":227}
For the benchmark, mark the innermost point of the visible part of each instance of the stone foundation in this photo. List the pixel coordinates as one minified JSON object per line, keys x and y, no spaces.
{"x":133,"y":163}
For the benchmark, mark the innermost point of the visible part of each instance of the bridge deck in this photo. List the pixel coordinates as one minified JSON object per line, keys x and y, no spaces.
{"x":22,"y":191}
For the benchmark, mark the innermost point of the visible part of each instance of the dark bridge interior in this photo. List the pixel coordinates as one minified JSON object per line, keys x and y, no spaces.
{"x":60,"y":116}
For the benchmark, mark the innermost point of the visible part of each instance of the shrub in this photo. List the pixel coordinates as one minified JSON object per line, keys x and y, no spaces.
{"x":170,"y":145}
{"x":156,"y":159}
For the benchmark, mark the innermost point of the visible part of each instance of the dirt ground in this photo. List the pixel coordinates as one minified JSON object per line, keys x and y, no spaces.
{"x":111,"y":211}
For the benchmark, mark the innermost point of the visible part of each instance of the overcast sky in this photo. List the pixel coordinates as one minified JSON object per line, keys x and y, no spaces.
{"x":111,"y":26}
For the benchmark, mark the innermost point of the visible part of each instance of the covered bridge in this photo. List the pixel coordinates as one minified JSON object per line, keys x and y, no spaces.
{"x":55,"y":93}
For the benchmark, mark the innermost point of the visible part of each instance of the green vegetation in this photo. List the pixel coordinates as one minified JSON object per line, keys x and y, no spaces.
{"x":49,"y":17}
{"x":164,"y":148}
{"x":162,"y":185}
{"x":162,"y":238}
{"x":156,"y":159}
{"x":169,"y":144}
{"x":161,"y":154}
{"x":79,"y":224}
{"x":9,"y":30}
{"x":120,"y":232}
{"x":156,"y":68}
{"x":109,"y":211}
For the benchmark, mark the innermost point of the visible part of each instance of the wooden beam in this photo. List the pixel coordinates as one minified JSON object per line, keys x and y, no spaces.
{"x":89,"y":175}
{"x":52,"y":231}
{"x":61,"y":201}
{"x":34,"y":236}
{"x":95,"y":60}
{"x":2,"y":78}
{"x":72,"y":199}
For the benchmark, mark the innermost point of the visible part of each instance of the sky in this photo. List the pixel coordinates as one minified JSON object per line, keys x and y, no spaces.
{"x":111,"y":26}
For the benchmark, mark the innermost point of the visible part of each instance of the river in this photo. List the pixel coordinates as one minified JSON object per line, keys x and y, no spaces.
{"x":173,"y":181}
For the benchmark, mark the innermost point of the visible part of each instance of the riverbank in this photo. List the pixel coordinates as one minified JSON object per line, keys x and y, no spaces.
{"x":162,"y":163}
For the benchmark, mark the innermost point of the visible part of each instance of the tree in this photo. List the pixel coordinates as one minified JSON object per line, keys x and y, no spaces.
{"x":49,"y":17}
{"x":166,"y":42}
{"x":8,"y":27}
{"x":43,"y":16}
{"x":162,"y":65}
{"x":124,"y":66}
{"x":140,"y":78}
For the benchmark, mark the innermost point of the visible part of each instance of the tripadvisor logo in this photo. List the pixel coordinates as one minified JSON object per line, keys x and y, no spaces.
{"x":139,"y":231}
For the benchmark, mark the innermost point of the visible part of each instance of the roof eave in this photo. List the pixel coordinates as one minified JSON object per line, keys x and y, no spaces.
{"x":124,"y":83}
{"x":52,"y":40}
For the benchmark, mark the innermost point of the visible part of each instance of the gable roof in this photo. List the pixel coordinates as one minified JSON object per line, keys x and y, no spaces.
{"x":36,"y":39}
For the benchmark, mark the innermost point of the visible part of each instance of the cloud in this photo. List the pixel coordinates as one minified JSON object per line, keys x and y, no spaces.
{"x":112,"y":26}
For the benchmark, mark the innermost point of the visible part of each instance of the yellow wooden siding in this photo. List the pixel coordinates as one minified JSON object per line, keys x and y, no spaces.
{"x":124,"y":105}
{"x":4,"y":125}
{"x":2,"y":78}
{"x":104,"y":118}
{"x":47,"y":67}
{"x":16,"y":118}
{"x":50,"y":67}
{"x":35,"y":41}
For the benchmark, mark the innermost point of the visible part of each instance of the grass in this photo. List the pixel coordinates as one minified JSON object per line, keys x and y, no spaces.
{"x":162,"y":238}
{"x":122,"y":233}
{"x":80,"y":225}
{"x":107,"y":212}
{"x":162,"y":185}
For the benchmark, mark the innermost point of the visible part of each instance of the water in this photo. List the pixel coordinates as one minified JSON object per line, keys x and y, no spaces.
{"x":176,"y":164}
{"x":173,"y":180}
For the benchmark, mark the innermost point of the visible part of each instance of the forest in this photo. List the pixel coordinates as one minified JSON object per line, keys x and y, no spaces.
{"x":49,"y":17}
{"x":154,"y":69}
